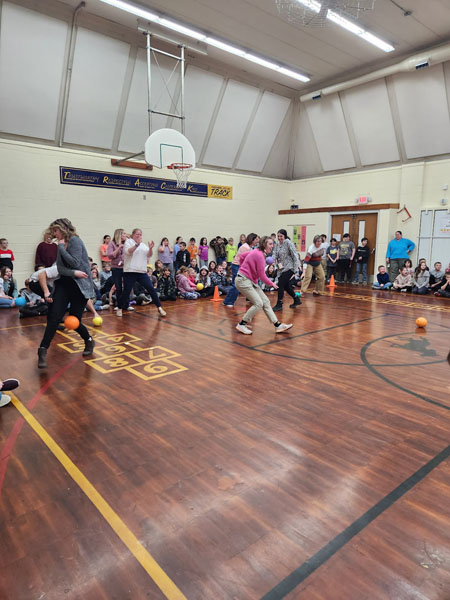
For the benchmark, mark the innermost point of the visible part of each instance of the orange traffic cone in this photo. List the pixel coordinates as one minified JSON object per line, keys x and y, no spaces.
{"x":216,"y":297}
{"x":332,"y":283}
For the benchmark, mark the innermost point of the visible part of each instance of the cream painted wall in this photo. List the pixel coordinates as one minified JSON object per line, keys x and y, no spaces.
{"x":416,"y":185}
{"x":31,"y":196}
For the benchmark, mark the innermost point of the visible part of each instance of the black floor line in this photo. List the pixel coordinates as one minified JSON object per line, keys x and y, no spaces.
{"x":293,"y":337}
{"x":295,"y":578}
{"x":373,"y":370}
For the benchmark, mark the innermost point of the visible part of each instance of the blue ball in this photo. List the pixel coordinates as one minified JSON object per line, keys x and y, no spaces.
{"x":20,"y":301}
{"x":269,"y":260}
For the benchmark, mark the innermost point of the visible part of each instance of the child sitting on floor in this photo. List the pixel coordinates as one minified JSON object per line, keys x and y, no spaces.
{"x":167,"y":289}
{"x":421,"y":282}
{"x":444,"y":289}
{"x":204,"y":278}
{"x":383,"y":282}
{"x":404,"y":281}
{"x":187,"y":290}
{"x":436,"y":276}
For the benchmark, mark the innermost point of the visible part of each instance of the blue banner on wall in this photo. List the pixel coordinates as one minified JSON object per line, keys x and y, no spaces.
{"x":135,"y":183}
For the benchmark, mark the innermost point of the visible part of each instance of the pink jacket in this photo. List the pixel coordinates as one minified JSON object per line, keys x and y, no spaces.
{"x":184,"y":285}
{"x":253,"y":266}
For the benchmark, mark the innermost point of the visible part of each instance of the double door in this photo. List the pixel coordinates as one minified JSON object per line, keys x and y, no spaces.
{"x":358,"y":226}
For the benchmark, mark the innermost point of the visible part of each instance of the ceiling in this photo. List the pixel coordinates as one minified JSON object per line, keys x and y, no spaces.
{"x":324,"y":54}
{"x":86,"y":88}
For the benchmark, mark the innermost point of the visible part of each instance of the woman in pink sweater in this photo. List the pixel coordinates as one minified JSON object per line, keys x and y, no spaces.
{"x":253,"y":268}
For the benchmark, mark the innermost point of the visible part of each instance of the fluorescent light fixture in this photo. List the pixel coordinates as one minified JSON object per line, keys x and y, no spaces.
{"x":225,"y":47}
{"x":311,"y":4}
{"x":293,"y":74}
{"x":134,"y":10}
{"x":261,"y":61}
{"x":349,"y":26}
{"x":182,"y":29}
{"x":199,"y":35}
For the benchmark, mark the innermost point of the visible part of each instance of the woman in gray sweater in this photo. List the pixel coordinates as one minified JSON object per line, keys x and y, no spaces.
{"x":73,"y":287}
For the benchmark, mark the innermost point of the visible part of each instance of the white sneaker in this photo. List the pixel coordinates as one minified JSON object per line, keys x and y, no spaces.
{"x":116,"y":308}
{"x":244,"y":329}
{"x":119,"y":312}
{"x":283,"y":327}
{"x":161,"y":311}
{"x":4,"y":400}
{"x":130,"y":308}
{"x":105,"y":307}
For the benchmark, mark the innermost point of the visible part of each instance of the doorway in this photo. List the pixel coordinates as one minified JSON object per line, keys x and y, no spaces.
{"x":358,"y":226}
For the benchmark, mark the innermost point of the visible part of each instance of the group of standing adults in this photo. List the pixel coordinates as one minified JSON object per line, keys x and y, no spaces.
{"x":73,"y":287}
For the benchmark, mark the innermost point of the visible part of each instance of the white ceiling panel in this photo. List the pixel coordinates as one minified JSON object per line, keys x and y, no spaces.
{"x":32,"y":49}
{"x":98,"y":75}
{"x":307,"y":159}
{"x":231,"y":122}
{"x":202,"y":89}
{"x":163,"y":99}
{"x":266,"y":124}
{"x":277,"y":164}
{"x":330,"y":133}
{"x":424,"y":112}
{"x":371,"y":118}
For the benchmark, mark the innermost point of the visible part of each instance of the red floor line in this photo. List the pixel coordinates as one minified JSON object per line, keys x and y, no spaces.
{"x":10,"y":442}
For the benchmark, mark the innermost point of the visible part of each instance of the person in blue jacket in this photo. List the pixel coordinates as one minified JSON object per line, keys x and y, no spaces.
{"x":398,"y":251}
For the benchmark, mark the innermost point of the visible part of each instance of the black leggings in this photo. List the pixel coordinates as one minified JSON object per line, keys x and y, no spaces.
{"x":285,"y":283}
{"x":117,"y":275}
{"x":129,"y":279}
{"x":66,"y":292}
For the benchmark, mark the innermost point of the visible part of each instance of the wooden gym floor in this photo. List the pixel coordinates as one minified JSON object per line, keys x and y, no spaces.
{"x":185,"y":460}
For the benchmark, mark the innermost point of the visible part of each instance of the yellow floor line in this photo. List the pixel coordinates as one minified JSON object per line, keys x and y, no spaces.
{"x":165,"y":584}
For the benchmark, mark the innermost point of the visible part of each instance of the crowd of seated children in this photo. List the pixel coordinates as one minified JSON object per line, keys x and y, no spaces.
{"x":444,"y":286}
{"x":192,"y":267}
{"x":187,"y":290}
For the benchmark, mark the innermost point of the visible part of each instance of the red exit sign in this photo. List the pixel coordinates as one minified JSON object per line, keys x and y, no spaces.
{"x":363,"y":200}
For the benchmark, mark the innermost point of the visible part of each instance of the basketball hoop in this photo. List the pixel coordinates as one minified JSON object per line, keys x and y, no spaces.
{"x":182,"y":172}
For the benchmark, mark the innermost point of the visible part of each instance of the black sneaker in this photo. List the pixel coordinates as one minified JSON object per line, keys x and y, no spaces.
{"x":278,"y":306}
{"x":10,"y":384}
{"x":42,"y":358}
{"x":88,"y":347}
{"x":296,"y":302}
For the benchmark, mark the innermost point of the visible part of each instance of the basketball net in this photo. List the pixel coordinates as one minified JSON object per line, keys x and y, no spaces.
{"x":182,"y":172}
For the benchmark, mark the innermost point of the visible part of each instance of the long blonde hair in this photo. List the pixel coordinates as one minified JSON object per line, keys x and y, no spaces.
{"x":117,"y":237}
{"x":65,"y":226}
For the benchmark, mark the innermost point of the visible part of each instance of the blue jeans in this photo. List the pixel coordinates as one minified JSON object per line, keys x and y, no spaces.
{"x":361,"y":267}
{"x":233,"y":292}
{"x":5,"y":302}
{"x":129,"y":279}
{"x":387,"y":286}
